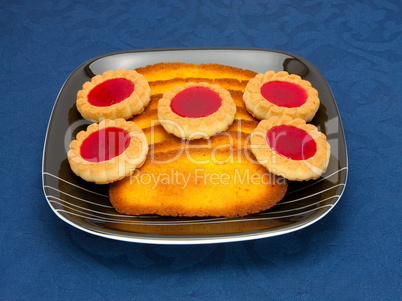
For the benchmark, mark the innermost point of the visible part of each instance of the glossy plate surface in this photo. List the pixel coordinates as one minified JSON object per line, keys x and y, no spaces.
{"x":86,"y":206}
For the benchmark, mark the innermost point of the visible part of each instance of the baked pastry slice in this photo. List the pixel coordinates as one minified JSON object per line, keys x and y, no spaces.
{"x":114,"y":94}
{"x":162,"y":86}
{"x":171,"y":70}
{"x":108,"y":151}
{"x":281,"y":94}
{"x":198,"y":182}
{"x":290,"y":148}
{"x":196,"y":110}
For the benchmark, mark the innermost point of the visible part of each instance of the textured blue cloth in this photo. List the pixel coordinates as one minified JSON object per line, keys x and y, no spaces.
{"x":354,"y":253}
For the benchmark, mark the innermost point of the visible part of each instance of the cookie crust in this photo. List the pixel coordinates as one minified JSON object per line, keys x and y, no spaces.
{"x":116,"y":168}
{"x":130,"y":106}
{"x":261,"y":108}
{"x":294,"y":170}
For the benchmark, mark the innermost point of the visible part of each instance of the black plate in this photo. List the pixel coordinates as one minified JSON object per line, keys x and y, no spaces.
{"x":87,"y":207}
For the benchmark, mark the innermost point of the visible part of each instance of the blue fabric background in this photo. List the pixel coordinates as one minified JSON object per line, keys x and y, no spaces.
{"x":354,"y":253}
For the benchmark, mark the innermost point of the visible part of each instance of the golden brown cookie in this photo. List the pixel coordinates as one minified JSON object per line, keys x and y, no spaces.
{"x":196,"y":110}
{"x":281,"y":94}
{"x":108,"y":151}
{"x":170,"y":70}
{"x":198,"y":182}
{"x":114,"y":94}
{"x":290,"y":148}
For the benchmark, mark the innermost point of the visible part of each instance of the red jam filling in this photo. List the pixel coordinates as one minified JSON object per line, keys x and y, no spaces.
{"x":291,"y":142}
{"x":105,"y":144}
{"x":284,"y":94}
{"x":110,"y":92}
{"x":195,"y":102}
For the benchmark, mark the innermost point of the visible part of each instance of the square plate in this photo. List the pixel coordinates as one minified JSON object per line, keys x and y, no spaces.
{"x":86,"y":206}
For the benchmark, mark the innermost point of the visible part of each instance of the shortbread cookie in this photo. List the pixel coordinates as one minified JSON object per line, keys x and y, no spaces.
{"x":162,"y":86}
{"x":108,"y":151}
{"x":281,"y":94}
{"x":114,"y":94}
{"x":170,"y":70}
{"x":200,"y":182}
{"x":290,"y":148}
{"x":196,"y":110}
{"x":156,"y":133}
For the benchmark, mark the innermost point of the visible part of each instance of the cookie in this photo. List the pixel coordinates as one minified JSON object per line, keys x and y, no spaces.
{"x":114,"y":94}
{"x":290,"y":148}
{"x":108,"y":151}
{"x":281,"y":94}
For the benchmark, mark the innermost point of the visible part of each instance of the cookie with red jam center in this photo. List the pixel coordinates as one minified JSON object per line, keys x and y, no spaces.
{"x":281,"y":94}
{"x":290,"y":148}
{"x":196,"y":110}
{"x":114,"y":94}
{"x":108,"y":151}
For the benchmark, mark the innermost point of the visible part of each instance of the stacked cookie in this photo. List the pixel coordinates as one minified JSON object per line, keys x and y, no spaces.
{"x":213,"y":174}
{"x":179,"y":139}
